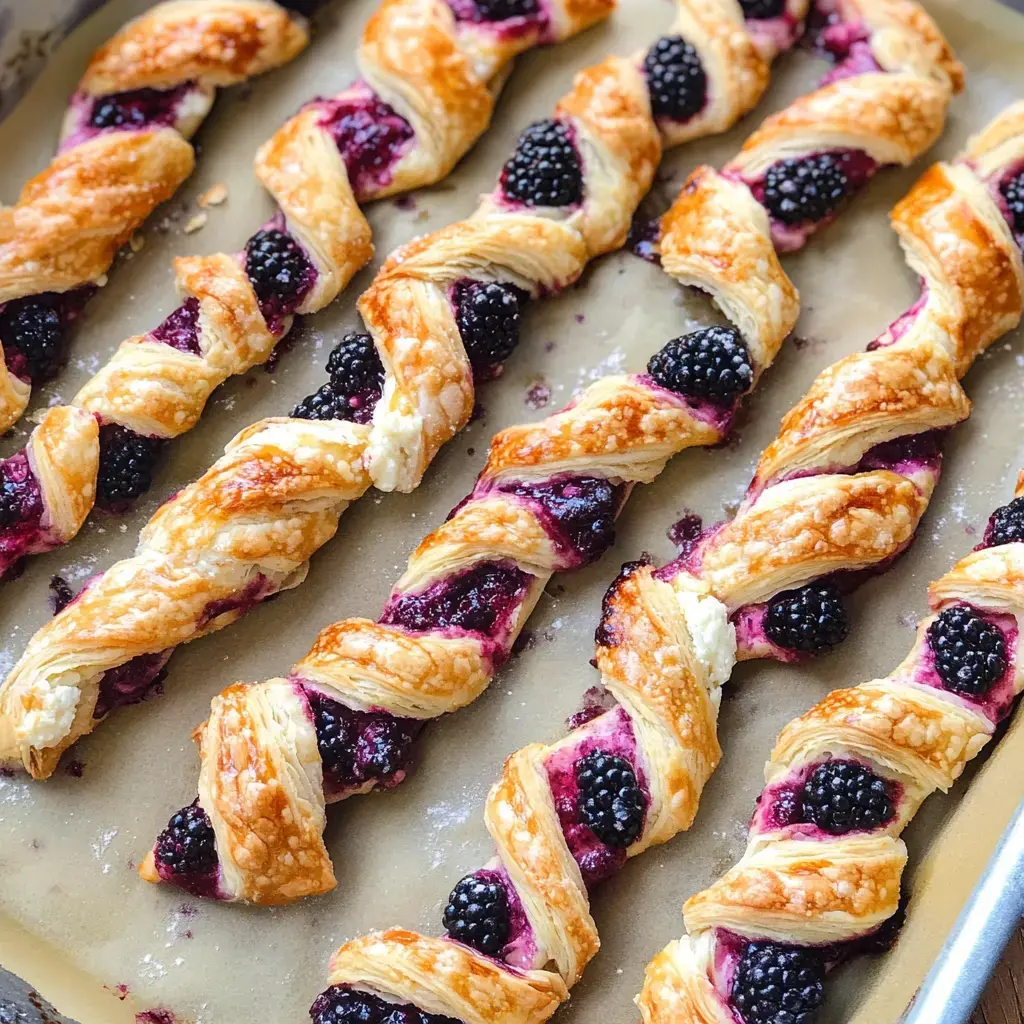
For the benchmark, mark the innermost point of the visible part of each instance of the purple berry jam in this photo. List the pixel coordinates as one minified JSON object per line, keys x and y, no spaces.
{"x":596,"y":701}
{"x":181,"y":329}
{"x":371,"y":137}
{"x":906,"y":455}
{"x":131,"y":682}
{"x":359,"y":747}
{"x":21,"y":510}
{"x":478,"y":600}
{"x":340,"y":1004}
{"x":491,"y":11}
{"x":255,"y":591}
{"x":578,"y":513}
{"x":685,"y":532}
{"x":139,"y":108}
{"x":644,"y":236}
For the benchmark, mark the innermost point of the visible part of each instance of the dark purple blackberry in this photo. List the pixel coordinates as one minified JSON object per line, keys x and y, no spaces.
{"x":275,"y":265}
{"x":135,"y":108}
{"x":127,"y":461}
{"x":488,"y":315}
{"x":970,"y":652}
{"x":545,"y":169}
{"x":384,"y":746}
{"x":502,"y":10}
{"x":324,"y":404}
{"x":777,"y":984}
{"x":21,"y":499}
{"x":341,"y":1005}
{"x":357,"y":379}
{"x":477,"y":914}
{"x":811,"y":619}
{"x":32,"y":333}
{"x":188,"y":845}
{"x":611,"y":801}
{"x":844,"y":796}
{"x":712,"y":363}
{"x":1006,"y":524}
{"x":675,"y":79}
{"x":757,"y":10}
{"x":1013,"y":192}
{"x":806,"y":188}
{"x":108,"y":113}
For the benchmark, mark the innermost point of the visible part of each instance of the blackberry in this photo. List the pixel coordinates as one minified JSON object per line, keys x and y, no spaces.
{"x":712,"y":363}
{"x":502,"y":10}
{"x":477,"y":914}
{"x":611,"y":802}
{"x":324,"y":404}
{"x":35,"y":331}
{"x":108,"y":113}
{"x":777,"y":984}
{"x":383,"y":747}
{"x":127,"y":461}
{"x":970,"y":652}
{"x":336,"y":732}
{"x":357,"y":379}
{"x":1013,"y":193}
{"x":804,"y":189}
{"x":844,"y":796}
{"x":488,"y":315}
{"x":341,"y":1005}
{"x":1006,"y":524}
{"x":675,"y":79}
{"x":188,"y":845}
{"x":275,"y":265}
{"x":545,"y":169}
{"x":757,"y":10}
{"x":811,"y":619}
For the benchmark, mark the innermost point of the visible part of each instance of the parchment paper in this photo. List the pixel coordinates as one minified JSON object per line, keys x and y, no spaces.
{"x":78,"y":917}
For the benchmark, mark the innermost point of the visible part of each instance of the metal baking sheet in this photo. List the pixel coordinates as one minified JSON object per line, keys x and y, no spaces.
{"x":75,"y":916}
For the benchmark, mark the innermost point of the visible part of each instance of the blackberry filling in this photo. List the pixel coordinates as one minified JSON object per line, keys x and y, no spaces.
{"x":970,"y":652}
{"x":341,"y":1005}
{"x":611,"y":801}
{"x":712,"y":363}
{"x":370,"y":136}
{"x":135,"y":109}
{"x":475,"y":600}
{"x":844,"y":796}
{"x":1013,"y":193}
{"x":502,"y":10}
{"x":188,"y":846}
{"x":777,"y":984}
{"x":127,"y":461}
{"x":277,"y":268}
{"x":357,"y":380}
{"x":21,"y":500}
{"x":545,"y":169}
{"x":675,"y":79}
{"x":1006,"y":524}
{"x":811,"y":619}
{"x":488,"y":316}
{"x":477,"y":914}
{"x":32,"y":332}
{"x":180,"y":329}
{"x":757,"y":10}
{"x":804,"y":189}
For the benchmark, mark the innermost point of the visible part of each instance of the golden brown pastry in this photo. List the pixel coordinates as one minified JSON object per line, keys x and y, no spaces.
{"x":124,"y":150}
{"x":428,"y":97}
{"x":405,"y":391}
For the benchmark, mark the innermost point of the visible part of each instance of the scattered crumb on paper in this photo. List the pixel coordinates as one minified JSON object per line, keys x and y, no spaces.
{"x":214,"y":195}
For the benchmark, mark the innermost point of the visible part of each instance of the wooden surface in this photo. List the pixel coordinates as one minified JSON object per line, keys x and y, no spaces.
{"x":1003,"y":1001}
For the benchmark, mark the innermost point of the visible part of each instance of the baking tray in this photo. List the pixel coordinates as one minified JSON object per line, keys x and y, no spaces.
{"x":76,"y":918}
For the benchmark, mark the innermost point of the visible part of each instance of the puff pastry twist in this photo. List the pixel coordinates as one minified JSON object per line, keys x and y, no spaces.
{"x":608,"y":141}
{"x":123,"y":150}
{"x":428,"y":86}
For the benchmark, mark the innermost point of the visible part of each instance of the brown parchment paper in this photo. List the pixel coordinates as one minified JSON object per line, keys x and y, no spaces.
{"x":74,"y":915}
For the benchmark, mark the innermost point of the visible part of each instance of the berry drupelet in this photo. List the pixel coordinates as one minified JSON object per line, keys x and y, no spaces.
{"x":758,"y":10}
{"x":777,"y":984}
{"x":276,"y":266}
{"x":970,"y":652}
{"x":545,"y":169}
{"x":488,"y":314}
{"x":1013,"y":193}
{"x":805,"y":189}
{"x":712,"y":363}
{"x":675,"y":79}
{"x":341,"y":1005}
{"x":357,"y":378}
{"x":810,"y":620}
{"x":188,"y":846}
{"x":477,"y":914}
{"x":32,"y":333}
{"x":1006,"y":524}
{"x":127,"y":461}
{"x":844,"y":796}
{"x":611,"y":801}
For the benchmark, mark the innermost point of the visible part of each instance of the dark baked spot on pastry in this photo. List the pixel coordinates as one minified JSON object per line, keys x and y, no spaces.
{"x":21,"y":499}
{"x":676,"y":80}
{"x":606,"y":635}
{"x":138,"y":108}
{"x":611,"y":802}
{"x":127,"y":462}
{"x":712,"y":363}
{"x":279,"y":271}
{"x":188,"y":846}
{"x":545,"y":169}
{"x":845,"y":796}
{"x":355,"y":385}
{"x":1006,"y":524}
{"x":488,"y":315}
{"x":759,"y":10}
{"x":477,"y":914}
{"x":340,"y":1004}
{"x":807,"y":189}
{"x":776,"y":984}
{"x":811,"y":619}
{"x":970,"y":652}
{"x":1013,"y":193}
{"x":180,"y":330}
{"x":32,"y":333}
